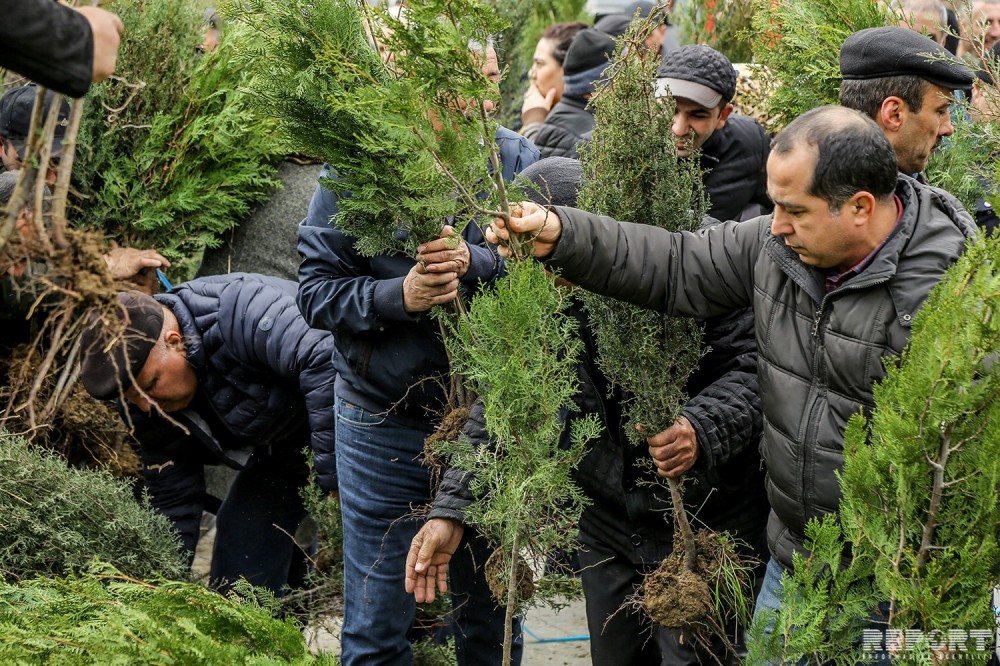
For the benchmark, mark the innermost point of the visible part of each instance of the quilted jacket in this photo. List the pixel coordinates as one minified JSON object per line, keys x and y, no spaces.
{"x":265,"y":379}
{"x":819,"y":353}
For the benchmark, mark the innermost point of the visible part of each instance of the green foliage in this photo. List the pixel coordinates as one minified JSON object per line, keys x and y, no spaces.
{"x":527,"y":20}
{"x":519,"y":351}
{"x":799,"y":44}
{"x":921,"y":474}
{"x":722,"y":24}
{"x":957,"y":165}
{"x":54,"y":519}
{"x":428,"y":653}
{"x":322,"y":594}
{"x":920,"y":478}
{"x":401,"y":135}
{"x":631,"y":172}
{"x":824,"y":606}
{"x":171,"y":153}
{"x":104,"y":617}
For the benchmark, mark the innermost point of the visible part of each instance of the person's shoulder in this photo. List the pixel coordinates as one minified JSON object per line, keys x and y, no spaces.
{"x":511,"y":140}
{"x":936,"y":204}
{"x":744,"y":129}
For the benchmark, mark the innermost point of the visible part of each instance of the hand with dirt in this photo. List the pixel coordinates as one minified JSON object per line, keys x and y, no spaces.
{"x":543,"y":225}
{"x":139,"y":266}
{"x":423,"y":290}
{"x":447,"y":254}
{"x":675,"y":450}
{"x":430,"y":553}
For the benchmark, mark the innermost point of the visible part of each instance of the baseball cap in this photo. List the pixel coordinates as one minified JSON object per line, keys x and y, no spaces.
{"x":16,"y":106}
{"x":698,"y":73}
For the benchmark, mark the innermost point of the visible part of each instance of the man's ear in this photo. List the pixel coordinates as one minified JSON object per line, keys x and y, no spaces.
{"x":174,"y":340}
{"x":891,"y":114}
{"x":727,"y":111}
{"x":860,"y":207}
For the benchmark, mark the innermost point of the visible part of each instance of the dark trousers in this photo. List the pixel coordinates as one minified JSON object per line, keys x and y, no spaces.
{"x":256,"y":524}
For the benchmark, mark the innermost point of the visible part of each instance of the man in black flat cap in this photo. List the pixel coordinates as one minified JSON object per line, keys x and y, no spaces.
{"x":16,"y":106}
{"x":905,"y":83}
{"x":223,"y":370}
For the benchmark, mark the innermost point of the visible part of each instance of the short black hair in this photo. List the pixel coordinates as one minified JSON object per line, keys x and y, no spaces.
{"x":853,"y":154}
{"x":867,"y":95}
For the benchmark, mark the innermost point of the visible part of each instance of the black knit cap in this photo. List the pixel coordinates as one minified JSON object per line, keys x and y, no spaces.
{"x":107,"y":365}
{"x":615,"y":25}
{"x":893,"y":51}
{"x":589,"y":49}
{"x":553,"y":181}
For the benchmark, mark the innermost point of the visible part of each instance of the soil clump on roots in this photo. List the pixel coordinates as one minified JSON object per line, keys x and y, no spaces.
{"x":677,"y":598}
{"x":42,"y":396}
{"x":496,"y":577}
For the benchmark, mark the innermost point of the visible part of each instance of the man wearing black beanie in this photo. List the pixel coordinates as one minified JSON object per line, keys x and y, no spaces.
{"x":570,"y":121}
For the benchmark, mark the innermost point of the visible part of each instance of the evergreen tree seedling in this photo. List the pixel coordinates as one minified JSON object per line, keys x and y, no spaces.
{"x":413,"y":147}
{"x":631,"y":172}
{"x":519,"y":352}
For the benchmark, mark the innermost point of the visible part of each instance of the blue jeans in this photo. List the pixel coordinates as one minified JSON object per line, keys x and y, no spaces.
{"x":382,"y":482}
{"x":768,"y":600}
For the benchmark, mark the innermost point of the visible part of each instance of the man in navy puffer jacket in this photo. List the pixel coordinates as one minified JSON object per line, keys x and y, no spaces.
{"x":392,"y":367}
{"x":230,"y":359}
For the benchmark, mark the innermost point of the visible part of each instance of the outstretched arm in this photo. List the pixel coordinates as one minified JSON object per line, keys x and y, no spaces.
{"x":58,"y":46}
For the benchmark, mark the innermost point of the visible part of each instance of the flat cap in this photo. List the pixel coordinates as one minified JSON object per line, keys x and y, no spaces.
{"x":110,"y":361}
{"x":699,"y":73}
{"x":893,"y":51}
{"x":16,"y":107}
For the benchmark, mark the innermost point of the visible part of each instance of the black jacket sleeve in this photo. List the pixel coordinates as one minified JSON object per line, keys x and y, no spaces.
{"x":725,"y":409}
{"x":49,"y":43}
{"x":173,"y":471}
{"x":454,"y":495}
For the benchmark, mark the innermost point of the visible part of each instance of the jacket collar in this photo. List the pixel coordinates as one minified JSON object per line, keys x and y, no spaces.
{"x":919,"y":204}
{"x":189,"y":329}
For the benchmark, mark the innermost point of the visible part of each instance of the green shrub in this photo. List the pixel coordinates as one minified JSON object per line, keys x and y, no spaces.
{"x":799,"y":44}
{"x":104,"y":617}
{"x":171,"y":153}
{"x":54,"y":519}
{"x":722,"y":24}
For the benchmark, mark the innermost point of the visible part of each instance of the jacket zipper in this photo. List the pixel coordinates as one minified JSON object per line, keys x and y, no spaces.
{"x":812,"y":428}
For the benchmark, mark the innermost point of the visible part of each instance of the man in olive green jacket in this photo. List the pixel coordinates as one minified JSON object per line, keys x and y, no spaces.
{"x":835,"y":277}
